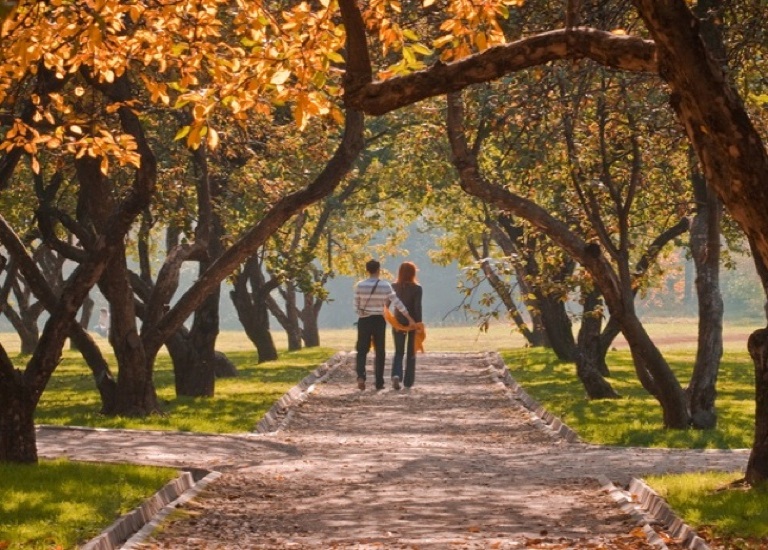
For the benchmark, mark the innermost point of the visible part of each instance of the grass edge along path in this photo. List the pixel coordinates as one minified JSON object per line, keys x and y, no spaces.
{"x":67,"y":503}
{"x":725,"y":513}
{"x":58,"y":504}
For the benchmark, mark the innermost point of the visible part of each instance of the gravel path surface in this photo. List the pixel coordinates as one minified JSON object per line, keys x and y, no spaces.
{"x":454,"y":463}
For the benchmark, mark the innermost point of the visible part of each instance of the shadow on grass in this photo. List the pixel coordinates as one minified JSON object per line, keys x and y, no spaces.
{"x":71,"y":398}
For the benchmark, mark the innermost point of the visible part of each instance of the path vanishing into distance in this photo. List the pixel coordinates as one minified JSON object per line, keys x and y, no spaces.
{"x":457,"y":462}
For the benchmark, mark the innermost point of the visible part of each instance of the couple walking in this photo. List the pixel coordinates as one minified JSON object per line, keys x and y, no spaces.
{"x":372,"y":298}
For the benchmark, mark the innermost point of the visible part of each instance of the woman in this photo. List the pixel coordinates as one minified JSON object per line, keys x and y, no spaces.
{"x":409,"y":291}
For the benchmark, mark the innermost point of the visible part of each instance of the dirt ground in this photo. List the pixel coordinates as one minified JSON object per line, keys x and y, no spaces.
{"x":454,"y":463}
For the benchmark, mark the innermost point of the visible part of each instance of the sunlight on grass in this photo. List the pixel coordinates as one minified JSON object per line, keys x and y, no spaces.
{"x":636,"y":418}
{"x":238,"y":404}
{"x":710,"y":503}
{"x":86,"y":503}
{"x":62,"y":504}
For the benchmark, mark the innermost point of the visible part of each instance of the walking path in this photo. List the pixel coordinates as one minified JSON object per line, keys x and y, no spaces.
{"x":456,"y":462}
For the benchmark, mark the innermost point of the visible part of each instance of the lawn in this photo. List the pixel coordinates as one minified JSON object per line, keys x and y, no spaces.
{"x":240,"y":402}
{"x":60,"y":504}
{"x":636,"y":418}
{"x":72,"y":400}
{"x":728,"y":514}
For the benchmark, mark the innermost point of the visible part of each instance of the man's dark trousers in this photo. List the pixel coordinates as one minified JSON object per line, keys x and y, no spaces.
{"x":371,"y":328}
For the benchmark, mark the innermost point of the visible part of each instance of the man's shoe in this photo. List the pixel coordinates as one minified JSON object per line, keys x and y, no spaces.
{"x":396,"y":382}
{"x":361,"y":384}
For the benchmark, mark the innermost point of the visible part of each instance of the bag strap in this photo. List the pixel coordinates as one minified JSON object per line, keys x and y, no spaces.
{"x":365,"y":307}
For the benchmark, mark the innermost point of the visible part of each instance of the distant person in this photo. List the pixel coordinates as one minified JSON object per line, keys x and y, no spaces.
{"x":102,"y":326}
{"x":372,"y":295}
{"x":409,"y":292}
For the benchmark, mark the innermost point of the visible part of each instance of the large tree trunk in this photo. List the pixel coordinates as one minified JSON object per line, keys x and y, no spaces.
{"x":196,"y":375}
{"x":590,"y":361}
{"x":17,"y":425}
{"x":557,"y":325}
{"x":705,"y":248}
{"x":757,"y":466}
{"x":135,"y":385}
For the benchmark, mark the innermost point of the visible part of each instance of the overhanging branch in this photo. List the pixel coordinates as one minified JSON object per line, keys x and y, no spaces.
{"x":611,"y":50}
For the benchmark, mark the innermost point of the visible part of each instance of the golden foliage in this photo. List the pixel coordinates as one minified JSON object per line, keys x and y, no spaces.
{"x":203,"y":56}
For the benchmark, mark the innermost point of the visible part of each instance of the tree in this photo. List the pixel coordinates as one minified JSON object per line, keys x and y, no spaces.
{"x":56,"y":61}
{"x":712,"y":113}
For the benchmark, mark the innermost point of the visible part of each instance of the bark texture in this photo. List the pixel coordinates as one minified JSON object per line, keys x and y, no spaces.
{"x":705,"y":249}
{"x":251,"y":307}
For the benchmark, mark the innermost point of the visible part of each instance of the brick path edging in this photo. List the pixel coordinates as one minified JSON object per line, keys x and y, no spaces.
{"x":141,"y":521}
{"x":279,"y":415}
{"x":640,"y":501}
{"x":133,"y":527}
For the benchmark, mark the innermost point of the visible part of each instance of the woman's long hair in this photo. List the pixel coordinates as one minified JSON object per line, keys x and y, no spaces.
{"x":407,"y":273}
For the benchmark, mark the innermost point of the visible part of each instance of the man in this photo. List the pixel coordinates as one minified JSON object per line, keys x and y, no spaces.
{"x":371,"y":296}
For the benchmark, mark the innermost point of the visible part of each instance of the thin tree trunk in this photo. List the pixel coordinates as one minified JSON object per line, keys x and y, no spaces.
{"x":252,"y":308}
{"x":705,"y":248}
{"x":310,"y":331}
{"x":288,"y":319}
{"x":590,"y":361}
{"x":86,"y":312}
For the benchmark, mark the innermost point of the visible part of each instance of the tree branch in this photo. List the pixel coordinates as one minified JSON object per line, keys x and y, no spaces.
{"x":612,"y":50}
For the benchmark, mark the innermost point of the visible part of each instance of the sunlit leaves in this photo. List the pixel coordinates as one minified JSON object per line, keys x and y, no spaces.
{"x":201,"y":56}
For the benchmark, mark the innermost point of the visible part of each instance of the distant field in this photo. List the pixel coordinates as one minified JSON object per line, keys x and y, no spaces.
{"x":679,"y":333}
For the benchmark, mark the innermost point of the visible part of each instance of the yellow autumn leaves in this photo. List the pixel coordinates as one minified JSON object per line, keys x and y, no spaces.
{"x":235,"y":57}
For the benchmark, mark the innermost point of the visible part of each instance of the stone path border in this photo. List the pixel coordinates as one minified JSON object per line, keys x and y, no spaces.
{"x":155,"y":521}
{"x":539,"y":415}
{"x":152,"y":511}
{"x":652,"y":503}
{"x":638,"y":500}
{"x":135,"y":526}
{"x":279,"y":415}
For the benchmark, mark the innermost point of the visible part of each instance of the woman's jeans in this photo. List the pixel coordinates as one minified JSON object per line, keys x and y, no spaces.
{"x":401,"y":338}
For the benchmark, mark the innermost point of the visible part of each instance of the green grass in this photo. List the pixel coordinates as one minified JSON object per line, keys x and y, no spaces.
{"x":239,"y":403}
{"x":713,"y":503}
{"x":636,"y":418}
{"x":729,"y":516}
{"x":59,"y":504}
{"x":72,"y":400}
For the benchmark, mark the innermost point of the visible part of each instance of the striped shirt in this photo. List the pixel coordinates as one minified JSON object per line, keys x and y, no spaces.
{"x":370,"y":298}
